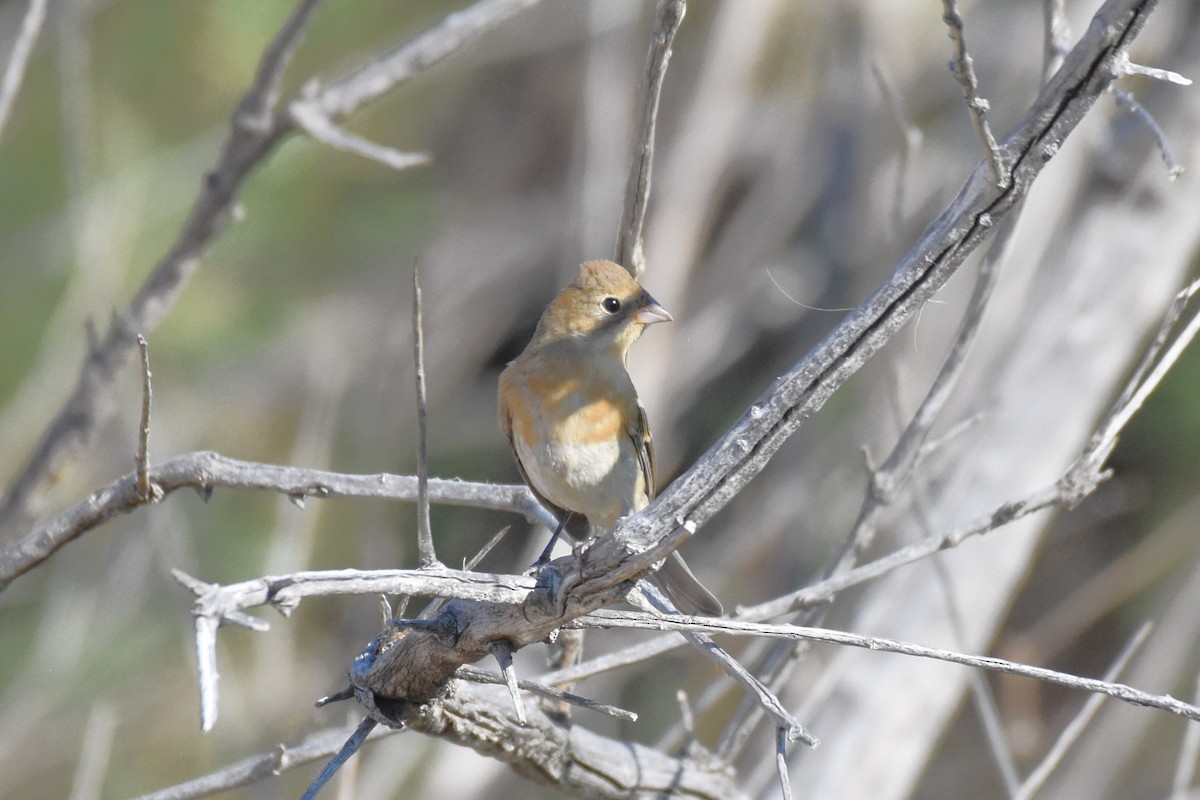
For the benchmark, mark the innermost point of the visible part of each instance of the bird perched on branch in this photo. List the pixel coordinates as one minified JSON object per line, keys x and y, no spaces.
{"x":572,"y":417}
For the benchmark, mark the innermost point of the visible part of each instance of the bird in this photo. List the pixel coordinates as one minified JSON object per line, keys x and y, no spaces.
{"x":570,"y":411}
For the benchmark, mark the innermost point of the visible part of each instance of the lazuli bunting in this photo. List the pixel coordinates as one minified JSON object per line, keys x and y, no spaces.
{"x":572,"y":417}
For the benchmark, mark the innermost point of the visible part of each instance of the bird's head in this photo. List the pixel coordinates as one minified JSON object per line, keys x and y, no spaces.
{"x":605,"y":304}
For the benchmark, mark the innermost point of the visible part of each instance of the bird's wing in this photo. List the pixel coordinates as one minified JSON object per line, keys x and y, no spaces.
{"x":506,"y":426}
{"x":643,"y":445}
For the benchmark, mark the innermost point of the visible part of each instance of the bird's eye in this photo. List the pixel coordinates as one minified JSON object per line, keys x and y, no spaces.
{"x":611,"y":304}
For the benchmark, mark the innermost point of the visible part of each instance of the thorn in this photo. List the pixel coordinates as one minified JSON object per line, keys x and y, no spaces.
{"x":502,"y":650}
{"x":342,"y":694}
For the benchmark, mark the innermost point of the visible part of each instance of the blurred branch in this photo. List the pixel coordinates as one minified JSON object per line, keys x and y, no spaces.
{"x":1055,"y":36}
{"x":668,"y":16}
{"x":1127,"y":101}
{"x":14,"y":73}
{"x":380,"y":75}
{"x":204,"y":471}
{"x":325,"y":131}
{"x":912,"y":140}
{"x":257,"y":128}
{"x":1189,"y":750}
{"x":1079,"y":480}
{"x":313,"y":747}
{"x":1038,"y":777}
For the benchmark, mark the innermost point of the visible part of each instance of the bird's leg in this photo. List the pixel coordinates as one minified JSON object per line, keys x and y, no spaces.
{"x":545,"y":556}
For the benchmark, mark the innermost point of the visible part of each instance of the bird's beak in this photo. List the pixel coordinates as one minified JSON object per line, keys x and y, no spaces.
{"x":651,"y":312}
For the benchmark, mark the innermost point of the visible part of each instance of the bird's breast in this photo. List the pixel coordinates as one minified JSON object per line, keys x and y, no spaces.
{"x":571,"y":434}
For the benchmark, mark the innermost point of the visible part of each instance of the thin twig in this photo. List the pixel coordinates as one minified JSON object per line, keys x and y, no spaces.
{"x":654,"y":602}
{"x":964,"y":71}
{"x":380,"y":75}
{"x":625,"y":657}
{"x":143,"y":453}
{"x":14,"y":73}
{"x":1127,"y":101}
{"x":487,"y":548}
{"x":483,"y":676}
{"x":668,"y":16}
{"x":428,"y":556}
{"x":912,"y":140}
{"x":1038,"y":777}
{"x":325,"y":131}
{"x":710,"y":625}
{"x":1123,"y":66}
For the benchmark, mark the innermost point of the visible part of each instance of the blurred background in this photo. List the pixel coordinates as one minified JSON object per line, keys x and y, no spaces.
{"x":785,"y":189}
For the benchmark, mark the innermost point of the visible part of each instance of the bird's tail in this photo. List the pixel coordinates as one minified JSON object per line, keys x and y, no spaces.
{"x":685,"y":590}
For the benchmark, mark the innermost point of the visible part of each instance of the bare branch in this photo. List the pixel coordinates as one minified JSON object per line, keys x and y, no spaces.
{"x":634,"y":619}
{"x":309,"y":118}
{"x":14,"y":73}
{"x":964,"y":70}
{"x":428,"y":556}
{"x":1128,"y":102}
{"x":143,"y":453}
{"x":1123,"y":67}
{"x":668,"y":16}
{"x":203,"y":471}
{"x":379,"y":76}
